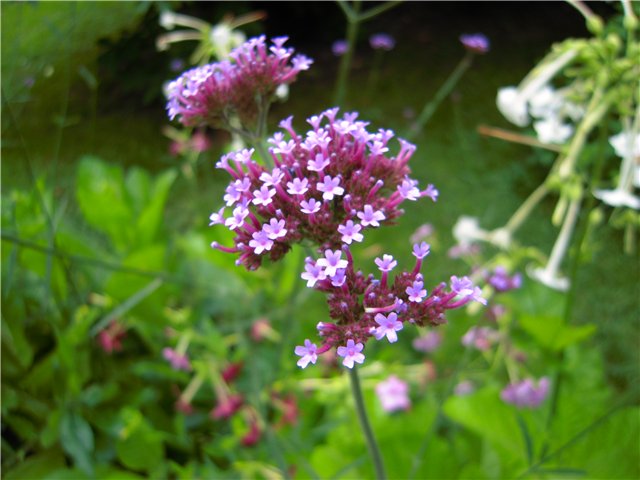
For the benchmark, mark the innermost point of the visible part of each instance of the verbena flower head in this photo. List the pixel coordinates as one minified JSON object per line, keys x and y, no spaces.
{"x":393,"y":394}
{"x":526,"y":393}
{"x":382,"y":41}
{"x":476,"y":43}
{"x":329,"y":185}
{"x":339,"y":47}
{"x":210,"y":94}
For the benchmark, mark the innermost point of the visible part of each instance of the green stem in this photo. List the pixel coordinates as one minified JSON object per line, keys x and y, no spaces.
{"x":353,"y":23}
{"x":445,"y":89}
{"x":374,"y":451}
{"x":525,"y":209}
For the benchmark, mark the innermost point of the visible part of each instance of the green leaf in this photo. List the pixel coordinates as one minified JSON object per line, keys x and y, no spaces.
{"x":139,"y":447}
{"x":102,"y":198}
{"x":36,"y":466}
{"x":151,"y":215}
{"x":552,"y":333}
{"x":13,"y":338}
{"x":138,"y":185}
{"x":76,"y":438}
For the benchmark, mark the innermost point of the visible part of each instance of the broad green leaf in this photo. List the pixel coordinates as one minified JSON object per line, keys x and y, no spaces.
{"x":102,"y":198}
{"x":138,"y":185}
{"x":139,"y":447}
{"x":36,"y":466}
{"x":485,"y":414}
{"x":76,"y":438}
{"x":552,"y":333}
{"x":151,"y":215}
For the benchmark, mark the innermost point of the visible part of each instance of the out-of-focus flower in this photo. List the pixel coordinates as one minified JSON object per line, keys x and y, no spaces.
{"x":626,"y":144}
{"x":110,"y":339}
{"x":423,"y":232}
{"x":549,"y":277}
{"x":428,"y":342}
{"x":467,"y":231}
{"x":552,"y":130}
{"x":253,"y":435}
{"x":481,"y":338}
{"x":339,"y":47}
{"x":393,"y":394}
{"x":501,"y":281}
{"x":261,"y":329}
{"x":177,"y":360}
{"x":227,"y":406}
{"x":382,"y":41}
{"x":231,"y":372}
{"x":176,"y":65}
{"x":476,"y":43}
{"x":464,"y":388}
{"x":526,"y":393}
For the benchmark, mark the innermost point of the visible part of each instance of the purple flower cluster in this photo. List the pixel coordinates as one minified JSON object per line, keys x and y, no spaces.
{"x":500,"y":280}
{"x":382,"y":41}
{"x":364,"y":306}
{"x":208,"y":94}
{"x":526,"y":393}
{"x":327,"y":186}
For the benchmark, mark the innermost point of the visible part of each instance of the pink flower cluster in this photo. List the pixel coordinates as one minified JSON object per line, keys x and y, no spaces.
{"x":364,"y":306}
{"x":208,"y":94}
{"x":327,"y":186}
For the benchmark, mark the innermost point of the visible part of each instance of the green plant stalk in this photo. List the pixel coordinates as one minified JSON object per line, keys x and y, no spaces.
{"x":445,"y":89}
{"x":374,"y":451}
{"x":353,"y":24}
{"x":524,"y":210}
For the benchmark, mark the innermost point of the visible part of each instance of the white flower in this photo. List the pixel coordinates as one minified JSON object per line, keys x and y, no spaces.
{"x":552,"y":130}
{"x":618,"y":198}
{"x":626,"y":144}
{"x":549,"y":278}
{"x":513,"y":106}
{"x":224,"y":39}
{"x":545,"y":102}
{"x":467,"y":231}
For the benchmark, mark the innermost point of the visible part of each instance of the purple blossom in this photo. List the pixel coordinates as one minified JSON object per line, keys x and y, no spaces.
{"x":387,"y":326}
{"x":311,"y":206}
{"x":263,"y":196}
{"x":330,"y":187}
{"x":350,"y":232}
{"x":298,"y":186}
{"x":427,"y":342}
{"x":339,"y":47}
{"x":273,"y":178}
{"x":216,"y":218}
{"x":416,"y":292}
{"x":318,"y":163}
{"x":409,"y":189}
{"x":421,"y":250}
{"x":338,"y":279}
{"x":464,"y":287}
{"x":502,"y":282}
{"x":177,"y":360}
{"x":351,"y":353}
{"x":386,"y":263}
{"x":382,"y":41}
{"x":481,"y":338}
{"x":332,"y":262}
{"x":232,"y":195}
{"x":476,"y":43}
{"x":237,"y":220}
{"x":370,"y":217}
{"x":307,"y":352}
{"x":313,"y":273}
{"x":275,"y":229}
{"x":393,"y":394}
{"x":260,"y":242}
{"x":526,"y":393}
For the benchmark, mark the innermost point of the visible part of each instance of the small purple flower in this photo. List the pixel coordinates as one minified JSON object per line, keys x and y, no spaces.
{"x":427,"y":342}
{"x":370,"y":217}
{"x":350,"y":232}
{"x":237,"y":220}
{"x":421,"y":250}
{"x":480,"y":337}
{"x":332,"y":262}
{"x":311,"y":206}
{"x":382,"y":41}
{"x":386,"y":264}
{"x":476,"y":43}
{"x":313,"y":273}
{"x":393,"y":394}
{"x":298,"y":186}
{"x":307,"y":352}
{"x":409,"y":189}
{"x":261,"y":242}
{"x":465,"y":288}
{"x":263,"y":196}
{"x":318,"y":163}
{"x":502,"y":282}
{"x":388,"y":326}
{"x":339,"y":47}
{"x":275,"y":229}
{"x":526,"y":393}
{"x":232,"y":195}
{"x":178,"y":361}
{"x":351,"y":353}
{"x":216,"y":218}
{"x":416,"y":292}
{"x":464,"y":388}
{"x":273,"y":178}
{"x":330,"y":187}
{"x":339,"y":278}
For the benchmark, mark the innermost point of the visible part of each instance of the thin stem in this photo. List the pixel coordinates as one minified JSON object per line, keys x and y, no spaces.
{"x":445,"y":89}
{"x":353,"y":23}
{"x":525,"y":209}
{"x":374,"y":451}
